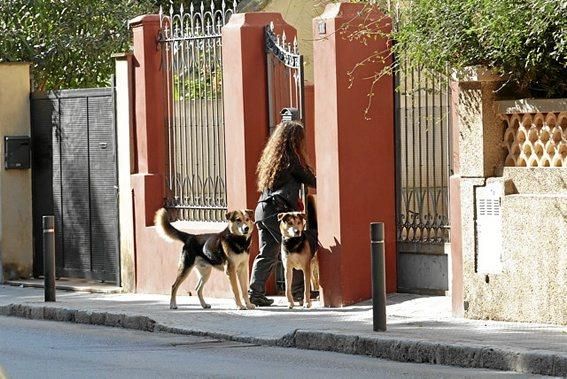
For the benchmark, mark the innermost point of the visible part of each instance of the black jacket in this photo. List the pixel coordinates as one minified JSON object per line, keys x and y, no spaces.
{"x":288,"y":183}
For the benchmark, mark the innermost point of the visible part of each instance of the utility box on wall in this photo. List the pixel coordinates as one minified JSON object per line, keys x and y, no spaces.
{"x":488,"y":226}
{"x":17,"y":152}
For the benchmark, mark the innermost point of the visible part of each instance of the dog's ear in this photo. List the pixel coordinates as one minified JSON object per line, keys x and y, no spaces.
{"x":229,"y":215}
{"x":281,"y":216}
{"x":250,"y":213}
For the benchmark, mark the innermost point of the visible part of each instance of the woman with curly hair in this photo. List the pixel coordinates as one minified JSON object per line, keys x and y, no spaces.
{"x":282,"y":169}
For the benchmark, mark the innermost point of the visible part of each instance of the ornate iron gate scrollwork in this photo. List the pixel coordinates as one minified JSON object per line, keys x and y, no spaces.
{"x":285,"y":75}
{"x":192,"y":67}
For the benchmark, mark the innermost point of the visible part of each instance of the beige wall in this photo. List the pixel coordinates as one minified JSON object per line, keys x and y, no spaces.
{"x":16,"y":251}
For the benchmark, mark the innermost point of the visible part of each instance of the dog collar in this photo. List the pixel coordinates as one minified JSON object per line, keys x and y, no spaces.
{"x":293,"y":243}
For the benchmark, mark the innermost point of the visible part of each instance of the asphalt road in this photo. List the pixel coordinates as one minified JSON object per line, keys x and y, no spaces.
{"x":46,"y":349}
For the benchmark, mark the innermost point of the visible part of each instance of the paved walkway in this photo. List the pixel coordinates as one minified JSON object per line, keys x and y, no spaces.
{"x":420,"y":328}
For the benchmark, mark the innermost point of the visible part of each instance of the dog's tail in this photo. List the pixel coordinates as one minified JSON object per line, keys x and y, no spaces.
{"x":166,"y":230}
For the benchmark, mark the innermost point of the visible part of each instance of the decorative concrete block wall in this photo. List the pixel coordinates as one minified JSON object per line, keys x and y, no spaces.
{"x":535,"y":139}
{"x":513,"y":209}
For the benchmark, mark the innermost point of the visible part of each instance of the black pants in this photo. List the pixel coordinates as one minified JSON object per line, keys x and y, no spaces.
{"x":270,"y":246}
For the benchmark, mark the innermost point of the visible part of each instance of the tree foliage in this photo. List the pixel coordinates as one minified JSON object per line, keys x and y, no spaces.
{"x":70,"y":42}
{"x":522,"y":40}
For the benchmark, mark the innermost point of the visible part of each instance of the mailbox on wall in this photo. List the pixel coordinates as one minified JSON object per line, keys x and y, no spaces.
{"x":17,"y":152}
{"x":289,"y":114}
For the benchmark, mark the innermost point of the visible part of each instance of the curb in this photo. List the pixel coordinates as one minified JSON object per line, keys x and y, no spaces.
{"x":395,"y":349}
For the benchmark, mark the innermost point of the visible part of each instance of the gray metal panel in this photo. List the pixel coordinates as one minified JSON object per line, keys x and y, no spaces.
{"x":42,"y":171}
{"x":103,"y":190}
{"x":423,"y":273}
{"x":74,"y":179}
{"x":56,"y":186}
{"x":75,"y":184}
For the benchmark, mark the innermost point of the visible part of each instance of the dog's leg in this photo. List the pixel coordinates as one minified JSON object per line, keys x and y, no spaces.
{"x":242,"y":273}
{"x":307,"y":285}
{"x":205,"y":273}
{"x":182,"y":273}
{"x":315,"y":273}
{"x":231,"y":272}
{"x":288,"y":272}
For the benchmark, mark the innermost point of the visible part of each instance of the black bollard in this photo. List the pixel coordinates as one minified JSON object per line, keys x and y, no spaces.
{"x":378,"y":276}
{"x":49,"y":257}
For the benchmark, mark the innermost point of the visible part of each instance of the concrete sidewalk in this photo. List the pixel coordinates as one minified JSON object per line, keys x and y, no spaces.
{"x":420,"y":328}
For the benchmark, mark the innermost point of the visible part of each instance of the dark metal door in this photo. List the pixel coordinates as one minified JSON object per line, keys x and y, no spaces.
{"x":75,"y":179}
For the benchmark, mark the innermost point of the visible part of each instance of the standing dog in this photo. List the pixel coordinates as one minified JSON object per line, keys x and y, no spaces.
{"x":298,"y":251}
{"x":228,"y":250}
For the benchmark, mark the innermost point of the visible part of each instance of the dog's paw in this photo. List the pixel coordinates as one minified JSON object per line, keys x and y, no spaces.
{"x":250,"y":306}
{"x":206,"y":306}
{"x":307,"y":305}
{"x":290,"y":305}
{"x":172,"y":306}
{"x":241,"y":307}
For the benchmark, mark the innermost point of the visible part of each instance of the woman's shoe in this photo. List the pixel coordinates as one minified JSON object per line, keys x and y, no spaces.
{"x":261,"y":300}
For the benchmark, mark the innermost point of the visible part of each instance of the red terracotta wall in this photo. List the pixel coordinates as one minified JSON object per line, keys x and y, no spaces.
{"x":156,"y":260}
{"x":355,"y":156}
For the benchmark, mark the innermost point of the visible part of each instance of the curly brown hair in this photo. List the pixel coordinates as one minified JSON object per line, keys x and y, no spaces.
{"x":286,"y":142}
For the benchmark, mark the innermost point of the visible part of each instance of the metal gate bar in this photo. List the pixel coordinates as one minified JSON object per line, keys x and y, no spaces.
{"x":422,"y":125}
{"x":192,"y":62}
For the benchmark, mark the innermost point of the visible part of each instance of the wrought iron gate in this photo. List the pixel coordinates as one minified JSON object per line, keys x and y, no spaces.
{"x":192,"y":64}
{"x":285,"y":76}
{"x":423,"y":165}
{"x":74,"y":177}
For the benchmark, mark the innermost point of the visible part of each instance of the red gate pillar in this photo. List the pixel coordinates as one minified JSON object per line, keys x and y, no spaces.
{"x":149,"y":119}
{"x":246,"y":105}
{"x":246,"y":101}
{"x":155,"y":260}
{"x":355,"y":154}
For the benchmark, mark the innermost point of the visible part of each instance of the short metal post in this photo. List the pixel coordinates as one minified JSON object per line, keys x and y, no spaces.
{"x":378,"y":276}
{"x":49,"y":257}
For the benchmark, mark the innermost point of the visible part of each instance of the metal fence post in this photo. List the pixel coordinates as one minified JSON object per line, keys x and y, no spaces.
{"x":49,"y":257}
{"x":378,"y":276}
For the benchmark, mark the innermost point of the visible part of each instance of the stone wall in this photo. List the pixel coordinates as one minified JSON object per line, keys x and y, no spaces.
{"x":513,"y":203}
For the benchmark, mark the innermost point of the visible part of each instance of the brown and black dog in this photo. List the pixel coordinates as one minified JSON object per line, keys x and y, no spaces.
{"x":299,"y":248}
{"x":227,"y":250}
